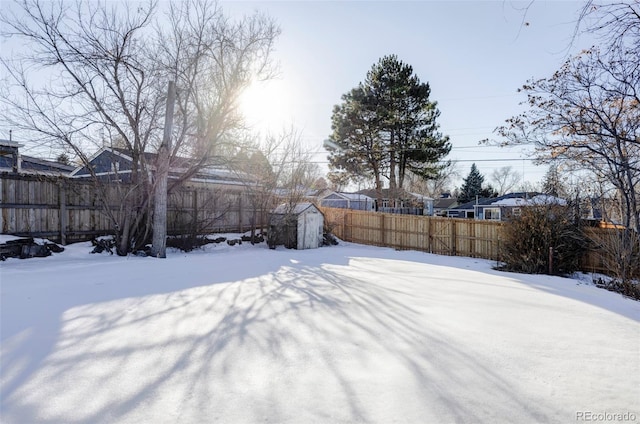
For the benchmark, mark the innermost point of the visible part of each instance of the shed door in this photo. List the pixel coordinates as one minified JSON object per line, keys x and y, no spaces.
{"x":310,"y":230}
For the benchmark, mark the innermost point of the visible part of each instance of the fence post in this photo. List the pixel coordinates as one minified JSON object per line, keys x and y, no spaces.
{"x":194,"y":217}
{"x":550,"y":260}
{"x":453,"y":238}
{"x":382,"y":230}
{"x":430,"y":235}
{"x":62,"y":199}
{"x":240,"y":211}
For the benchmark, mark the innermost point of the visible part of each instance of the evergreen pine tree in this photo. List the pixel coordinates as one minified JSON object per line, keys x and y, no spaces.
{"x":471,"y":186}
{"x":552,"y":183}
{"x":63,"y":158}
{"x":488,"y":191}
{"x":387,"y":127}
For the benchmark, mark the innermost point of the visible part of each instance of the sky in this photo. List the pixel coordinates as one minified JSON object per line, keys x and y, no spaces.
{"x":342,"y":334}
{"x":474,"y":54}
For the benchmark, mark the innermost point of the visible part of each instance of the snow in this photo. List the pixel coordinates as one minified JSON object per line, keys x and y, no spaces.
{"x":6,"y":237}
{"x":513,"y":201}
{"x":344,"y":334}
{"x":541,"y":199}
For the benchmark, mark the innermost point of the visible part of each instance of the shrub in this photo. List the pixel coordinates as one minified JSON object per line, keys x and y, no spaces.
{"x":619,"y":250}
{"x":540,"y":235}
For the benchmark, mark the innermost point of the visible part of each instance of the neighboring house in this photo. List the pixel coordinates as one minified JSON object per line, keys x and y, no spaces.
{"x":403,"y":202}
{"x":466,"y":210}
{"x":115,"y":165}
{"x":357,"y":201}
{"x":300,"y":226}
{"x":441,"y":205}
{"x":503,"y":207}
{"x":11,"y":160}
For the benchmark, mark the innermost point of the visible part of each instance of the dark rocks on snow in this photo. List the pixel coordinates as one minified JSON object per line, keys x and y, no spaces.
{"x":103,"y":245}
{"x":27,"y":248}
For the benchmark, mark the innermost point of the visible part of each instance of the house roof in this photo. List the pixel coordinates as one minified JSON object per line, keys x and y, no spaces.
{"x":346,"y":196}
{"x":8,"y":144}
{"x":28,"y":164}
{"x":539,"y":199}
{"x":471,"y":205}
{"x":444,"y":203}
{"x":180,"y":162}
{"x":387,"y":193}
{"x":355,"y":196}
{"x":31,"y":164}
{"x":486,"y":201}
{"x":284,"y":208}
{"x":217,"y":172}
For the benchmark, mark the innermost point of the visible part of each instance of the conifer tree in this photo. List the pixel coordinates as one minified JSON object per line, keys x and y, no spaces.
{"x":472,"y":186}
{"x":386,"y":127}
{"x":552,"y":183}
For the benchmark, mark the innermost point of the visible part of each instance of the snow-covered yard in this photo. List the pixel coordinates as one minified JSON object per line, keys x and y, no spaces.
{"x":343,"y":334}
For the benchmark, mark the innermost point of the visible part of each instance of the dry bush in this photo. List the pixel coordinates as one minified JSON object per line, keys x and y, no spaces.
{"x":527,"y":239}
{"x":619,"y":250}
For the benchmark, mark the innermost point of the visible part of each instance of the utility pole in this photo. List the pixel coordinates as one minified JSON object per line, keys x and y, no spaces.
{"x":159,"y":242}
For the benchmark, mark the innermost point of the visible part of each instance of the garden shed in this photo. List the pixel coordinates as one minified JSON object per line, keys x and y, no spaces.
{"x":297,"y":226}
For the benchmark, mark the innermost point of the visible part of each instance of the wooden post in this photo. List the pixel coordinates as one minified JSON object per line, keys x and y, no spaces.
{"x":429,"y":236}
{"x":472,"y":232}
{"x":240,"y":211}
{"x":194,"y":216}
{"x":62,"y":198}
{"x":159,"y":241}
{"x":453,"y":238}
{"x":550,"y":260}
{"x":382,"y":230}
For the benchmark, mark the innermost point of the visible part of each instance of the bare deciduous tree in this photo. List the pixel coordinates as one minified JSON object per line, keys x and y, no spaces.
{"x":588,"y":112}
{"x":505,"y":179}
{"x":277,"y":170}
{"x":434,"y":187}
{"x":106,"y":74}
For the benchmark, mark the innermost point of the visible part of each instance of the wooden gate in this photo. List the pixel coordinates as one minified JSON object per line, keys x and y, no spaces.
{"x":442,"y":236}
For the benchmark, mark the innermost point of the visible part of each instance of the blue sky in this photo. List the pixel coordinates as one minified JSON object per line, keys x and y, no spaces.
{"x":474,"y":54}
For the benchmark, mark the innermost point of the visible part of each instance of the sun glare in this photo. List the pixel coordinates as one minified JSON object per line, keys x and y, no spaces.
{"x":266,"y":106}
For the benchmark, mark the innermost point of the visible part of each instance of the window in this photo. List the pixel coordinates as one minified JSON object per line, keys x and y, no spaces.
{"x":492,"y":214}
{"x":516,"y":212}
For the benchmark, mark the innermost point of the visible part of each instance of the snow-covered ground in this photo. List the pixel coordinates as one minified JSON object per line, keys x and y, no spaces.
{"x":344,"y":334}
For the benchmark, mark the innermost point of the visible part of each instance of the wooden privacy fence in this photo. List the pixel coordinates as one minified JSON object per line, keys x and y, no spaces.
{"x":452,"y":236}
{"x":444,"y":236}
{"x":66,"y":210}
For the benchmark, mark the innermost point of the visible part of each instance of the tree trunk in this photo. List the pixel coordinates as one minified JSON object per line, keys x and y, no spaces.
{"x":378,"y":190}
{"x":393,"y":186}
{"x":159,"y":244}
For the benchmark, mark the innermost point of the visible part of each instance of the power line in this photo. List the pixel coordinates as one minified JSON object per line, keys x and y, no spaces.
{"x":467,"y":160}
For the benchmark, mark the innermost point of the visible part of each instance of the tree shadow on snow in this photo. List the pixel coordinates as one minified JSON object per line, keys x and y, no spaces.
{"x":285,"y":337}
